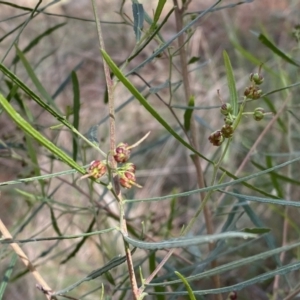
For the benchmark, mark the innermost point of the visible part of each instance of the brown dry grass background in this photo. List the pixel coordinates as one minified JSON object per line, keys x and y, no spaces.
{"x":161,"y":170}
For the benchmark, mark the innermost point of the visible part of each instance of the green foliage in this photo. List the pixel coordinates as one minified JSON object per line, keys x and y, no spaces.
{"x":171,"y":213}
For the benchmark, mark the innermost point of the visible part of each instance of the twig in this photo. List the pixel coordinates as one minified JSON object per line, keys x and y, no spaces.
{"x":42,"y":284}
{"x":112,"y":126}
{"x":200,"y":178}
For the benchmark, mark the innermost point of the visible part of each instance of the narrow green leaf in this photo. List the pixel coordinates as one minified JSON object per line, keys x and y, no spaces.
{"x":276,"y":50}
{"x":144,"y":102}
{"x":188,"y":287}
{"x":152,"y":266}
{"x":138,"y":19}
{"x":188,"y":113}
{"x":54,"y":222}
{"x":232,"y":265}
{"x":109,"y":278}
{"x":116,"y":261}
{"x":280,"y":176}
{"x":76,"y":109}
{"x":186,"y":241}
{"x":171,"y":215}
{"x":231,"y":83}
{"x":154,"y":33}
{"x":193,"y":60}
{"x":26,"y":127}
{"x":174,"y":37}
{"x":236,"y":287}
{"x":274,"y":179}
{"x":158,"y":11}
{"x":80,"y":244}
{"x":264,"y":200}
{"x":272,"y":108}
{"x":153,"y":112}
{"x":33,"y":156}
{"x":269,"y":238}
{"x":45,"y":106}
{"x":7,"y":274}
{"x":35,"y":80}
{"x":66,"y":81}
{"x":257,"y":230}
{"x":36,"y":40}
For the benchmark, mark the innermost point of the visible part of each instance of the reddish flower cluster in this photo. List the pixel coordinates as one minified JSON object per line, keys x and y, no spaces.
{"x":217,"y":137}
{"x":251,"y":92}
{"x":122,"y":153}
{"x":97,"y":169}
{"x":126,"y":172}
{"x":127,"y":176}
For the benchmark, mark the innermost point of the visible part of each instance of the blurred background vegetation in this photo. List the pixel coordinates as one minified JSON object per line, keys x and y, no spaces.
{"x":62,"y":38}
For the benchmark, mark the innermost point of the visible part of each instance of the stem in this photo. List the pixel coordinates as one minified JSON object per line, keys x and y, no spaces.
{"x":112,"y":126}
{"x":42,"y":286}
{"x":194,"y":143}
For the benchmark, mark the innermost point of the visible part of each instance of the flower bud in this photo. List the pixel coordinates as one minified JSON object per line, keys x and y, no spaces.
{"x":122,"y":153}
{"x":228,"y":121}
{"x":127,"y":176}
{"x":252,"y":92}
{"x":97,"y":169}
{"x":127,"y":179}
{"x":227,"y":131}
{"x":216,"y":138}
{"x":257,"y":78}
{"x":233,"y":295}
{"x":226,"y":109}
{"x":258,"y":113}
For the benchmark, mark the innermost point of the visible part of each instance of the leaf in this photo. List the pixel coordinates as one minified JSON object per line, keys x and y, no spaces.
{"x":188,"y":287}
{"x":80,"y":244}
{"x":7,"y":274}
{"x":26,"y":127}
{"x":54,"y":222}
{"x":236,"y":287}
{"x":35,"y":80}
{"x":174,"y":37}
{"x":159,"y":9}
{"x":231,"y":83}
{"x":193,"y":59}
{"x":152,"y":267}
{"x":232,"y":265}
{"x":76,"y":109}
{"x":275,"y":184}
{"x":188,"y":114}
{"x":186,"y":241}
{"x":36,"y":40}
{"x":153,"y":112}
{"x":138,"y":19}
{"x":45,"y":106}
{"x":116,"y":261}
{"x":257,"y":230}
{"x":276,"y":50}
{"x":264,"y":200}
{"x":144,"y":102}
{"x":66,"y":81}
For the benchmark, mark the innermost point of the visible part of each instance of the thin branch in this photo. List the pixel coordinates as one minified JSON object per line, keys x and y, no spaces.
{"x":112,"y":125}
{"x":179,"y":13}
{"x":42,"y":284}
